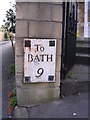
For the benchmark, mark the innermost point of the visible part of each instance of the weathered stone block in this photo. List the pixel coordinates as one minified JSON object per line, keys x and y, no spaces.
{"x":19,"y":79}
{"x":21,"y":112}
{"x":58,"y":79}
{"x":57,"y":13}
{"x":21,"y":28}
{"x":58,"y":63}
{"x":59,"y":47}
{"x":45,"y":29}
{"x":19,"y":64}
{"x":36,"y":11}
{"x":27,"y":97}
{"x":19,"y":46}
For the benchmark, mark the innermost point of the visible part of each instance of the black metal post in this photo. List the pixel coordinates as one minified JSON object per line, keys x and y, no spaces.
{"x":67,"y":17}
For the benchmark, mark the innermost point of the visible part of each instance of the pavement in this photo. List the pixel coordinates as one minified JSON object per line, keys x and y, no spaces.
{"x":6,"y":79}
{"x":77,"y":82}
{"x":74,"y":106}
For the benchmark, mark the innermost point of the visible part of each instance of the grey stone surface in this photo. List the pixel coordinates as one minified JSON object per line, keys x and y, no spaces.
{"x":34,"y":96}
{"x":45,"y":29}
{"x":78,"y":81}
{"x":75,"y":106}
{"x":21,"y":112}
{"x":19,"y":64}
{"x":21,"y":29}
{"x":59,"y":47}
{"x":39,"y":11}
{"x":82,"y":69}
{"x":36,"y":11}
{"x":19,"y":46}
{"x":57,"y":13}
{"x":19,"y":79}
{"x":58,"y":63}
{"x":80,"y":72}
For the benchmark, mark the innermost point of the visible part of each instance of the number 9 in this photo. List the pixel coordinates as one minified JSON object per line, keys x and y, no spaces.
{"x":40,"y":72}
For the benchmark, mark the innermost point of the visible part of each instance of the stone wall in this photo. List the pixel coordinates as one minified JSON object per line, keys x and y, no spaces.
{"x":37,"y":20}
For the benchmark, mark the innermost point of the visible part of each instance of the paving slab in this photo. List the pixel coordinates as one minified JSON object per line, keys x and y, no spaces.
{"x":78,"y":82}
{"x":75,"y":106}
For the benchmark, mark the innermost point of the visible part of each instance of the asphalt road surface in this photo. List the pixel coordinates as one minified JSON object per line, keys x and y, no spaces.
{"x":6,"y":79}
